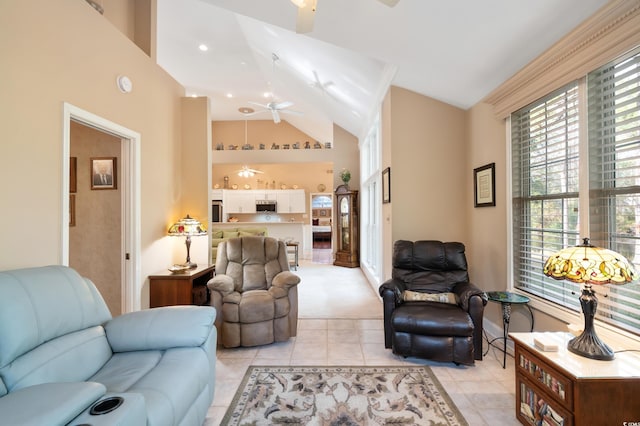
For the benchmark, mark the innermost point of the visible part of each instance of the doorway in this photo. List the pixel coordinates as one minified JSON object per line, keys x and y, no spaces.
{"x":322,"y":227}
{"x":125,"y":236}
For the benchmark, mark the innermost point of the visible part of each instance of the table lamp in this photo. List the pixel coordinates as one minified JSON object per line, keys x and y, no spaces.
{"x":587,"y":264}
{"x":187,"y":227}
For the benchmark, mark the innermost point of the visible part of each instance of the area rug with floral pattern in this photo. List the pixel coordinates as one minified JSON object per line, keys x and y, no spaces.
{"x":288,"y":395}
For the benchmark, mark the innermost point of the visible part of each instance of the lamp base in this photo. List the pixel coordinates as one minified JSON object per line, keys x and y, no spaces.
{"x":189,"y":265}
{"x":589,"y":345}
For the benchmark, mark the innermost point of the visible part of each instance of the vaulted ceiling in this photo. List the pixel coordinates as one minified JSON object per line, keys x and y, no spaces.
{"x":453,"y":51}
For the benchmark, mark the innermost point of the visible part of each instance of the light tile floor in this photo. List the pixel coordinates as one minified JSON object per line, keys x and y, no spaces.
{"x":484,"y":393}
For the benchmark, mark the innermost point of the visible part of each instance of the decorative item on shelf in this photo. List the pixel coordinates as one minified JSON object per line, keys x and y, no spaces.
{"x":307,"y":145}
{"x":283,"y":186}
{"x":345,"y":176}
{"x":294,"y":187}
{"x":587,"y":264}
{"x":327,"y":145}
{"x":275,"y":146}
{"x":262,"y":146}
{"x":317,"y":145}
{"x":226,"y":182}
{"x":247,"y":186}
{"x":247,"y":147}
{"x":233,"y":147}
{"x":220,"y":147}
{"x":286,"y":146}
{"x":296,"y":145}
{"x":187,"y":227}
{"x":216,"y":186}
{"x":234,"y":186}
{"x":233,"y":219}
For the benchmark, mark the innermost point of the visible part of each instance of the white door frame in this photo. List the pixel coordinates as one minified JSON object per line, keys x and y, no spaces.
{"x":130,"y":185}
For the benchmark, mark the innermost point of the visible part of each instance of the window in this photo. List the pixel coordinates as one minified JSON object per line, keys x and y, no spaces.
{"x":370,"y":227}
{"x":556,"y":176}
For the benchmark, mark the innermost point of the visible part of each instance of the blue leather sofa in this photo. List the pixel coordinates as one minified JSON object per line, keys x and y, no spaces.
{"x":61,"y":354}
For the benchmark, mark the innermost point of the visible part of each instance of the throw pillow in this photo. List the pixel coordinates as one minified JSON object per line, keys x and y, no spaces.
{"x":230,"y":234}
{"x":415,"y":296}
{"x":216,"y":234}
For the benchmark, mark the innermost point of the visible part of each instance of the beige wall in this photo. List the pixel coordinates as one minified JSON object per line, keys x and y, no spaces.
{"x":95,"y":240}
{"x":63,"y":51}
{"x":429,"y":186}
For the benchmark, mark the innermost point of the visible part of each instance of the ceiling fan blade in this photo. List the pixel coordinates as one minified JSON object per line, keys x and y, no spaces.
{"x":389,"y":3}
{"x":290,"y":111}
{"x":304,"y":21}
{"x":282,"y":105}
{"x":258,"y":104}
{"x":276,"y":116}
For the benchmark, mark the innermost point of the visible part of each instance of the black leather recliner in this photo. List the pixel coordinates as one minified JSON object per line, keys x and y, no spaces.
{"x":428,"y":329}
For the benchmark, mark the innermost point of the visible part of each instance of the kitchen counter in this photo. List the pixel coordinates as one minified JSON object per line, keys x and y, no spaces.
{"x":293,"y":231}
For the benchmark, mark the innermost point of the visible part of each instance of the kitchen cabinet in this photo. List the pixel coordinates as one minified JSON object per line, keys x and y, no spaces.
{"x":239,"y":202}
{"x":291,"y":201}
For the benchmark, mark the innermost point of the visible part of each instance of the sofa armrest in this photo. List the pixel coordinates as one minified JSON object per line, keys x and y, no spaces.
{"x":467,"y":290}
{"x":221,"y":283}
{"x":57,"y":403}
{"x":160,"y":328}
{"x":285,"y":280}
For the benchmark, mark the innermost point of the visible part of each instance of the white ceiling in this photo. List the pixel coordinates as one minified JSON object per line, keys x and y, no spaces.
{"x":455,"y":51}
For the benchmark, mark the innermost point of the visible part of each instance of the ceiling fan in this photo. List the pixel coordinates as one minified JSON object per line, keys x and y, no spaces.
{"x":307,"y":10}
{"x":246,"y":172}
{"x":275,"y":108}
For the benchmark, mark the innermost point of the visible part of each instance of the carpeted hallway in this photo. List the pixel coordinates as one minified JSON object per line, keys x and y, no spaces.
{"x":341,"y":324}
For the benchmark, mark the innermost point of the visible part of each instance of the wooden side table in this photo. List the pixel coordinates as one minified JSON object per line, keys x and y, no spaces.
{"x":562,"y":388}
{"x":183,"y":288}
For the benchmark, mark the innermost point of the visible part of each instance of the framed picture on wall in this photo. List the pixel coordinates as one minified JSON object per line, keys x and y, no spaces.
{"x":103,"y":173}
{"x":386,"y":185}
{"x":484,"y":185}
{"x":72,"y":209}
{"x":73,"y":174}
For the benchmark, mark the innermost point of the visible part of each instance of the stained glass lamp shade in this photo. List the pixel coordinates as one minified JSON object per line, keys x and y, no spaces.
{"x":187,"y":227}
{"x":586,"y":264}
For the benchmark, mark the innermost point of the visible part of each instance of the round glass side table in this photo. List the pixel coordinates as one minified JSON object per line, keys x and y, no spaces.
{"x":506,"y":299}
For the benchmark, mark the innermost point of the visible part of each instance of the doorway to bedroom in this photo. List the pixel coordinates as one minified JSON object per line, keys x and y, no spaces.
{"x":322,"y":227}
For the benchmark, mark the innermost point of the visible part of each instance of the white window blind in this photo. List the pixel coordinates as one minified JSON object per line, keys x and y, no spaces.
{"x":614,"y":177}
{"x":545,"y":167}
{"x":547,"y":193}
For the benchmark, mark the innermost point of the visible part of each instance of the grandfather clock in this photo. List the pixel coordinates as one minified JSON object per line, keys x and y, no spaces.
{"x":346,"y":227}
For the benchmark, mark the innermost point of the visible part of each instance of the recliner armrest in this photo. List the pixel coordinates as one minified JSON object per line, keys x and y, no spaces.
{"x":285,"y":280}
{"x":392,"y":288}
{"x":57,"y":403}
{"x":221,"y":283}
{"x":160,"y":328}
{"x":467,"y":290}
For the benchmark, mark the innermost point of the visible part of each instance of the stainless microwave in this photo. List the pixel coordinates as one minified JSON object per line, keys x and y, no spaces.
{"x":265,"y":206}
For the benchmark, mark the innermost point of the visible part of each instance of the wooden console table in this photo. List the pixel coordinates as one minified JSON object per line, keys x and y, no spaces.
{"x":183,"y":288}
{"x":562,"y":388}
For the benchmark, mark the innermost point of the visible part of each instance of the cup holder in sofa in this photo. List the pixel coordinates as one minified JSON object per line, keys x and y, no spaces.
{"x":106,"y":405}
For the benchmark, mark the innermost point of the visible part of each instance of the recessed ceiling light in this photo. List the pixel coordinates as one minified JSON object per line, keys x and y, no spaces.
{"x":203,"y":47}
{"x":246,"y":110}
{"x":194,"y":95}
{"x":229,"y":95}
{"x":266,"y":94}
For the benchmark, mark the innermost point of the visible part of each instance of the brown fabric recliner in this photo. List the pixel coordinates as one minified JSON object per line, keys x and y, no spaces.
{"x":254,"y":292}
{"x":428,"y":329}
